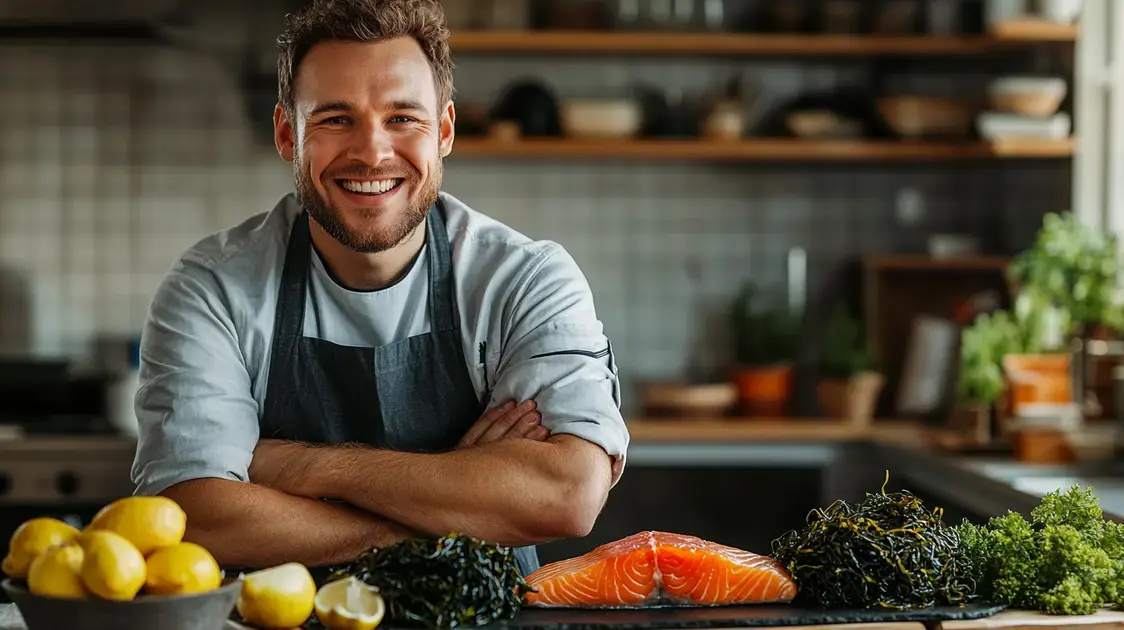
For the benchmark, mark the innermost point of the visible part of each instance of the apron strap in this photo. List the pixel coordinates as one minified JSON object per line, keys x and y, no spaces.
{"x":441,"y":285}
{"x":288,"y":326}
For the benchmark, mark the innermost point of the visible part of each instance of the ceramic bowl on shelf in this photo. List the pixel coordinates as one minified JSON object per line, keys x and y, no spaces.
{"x":1000,"y":126}
{"x":601,"y":118}
{"x":1039,"y":97}
{"x":197,"y":611}
{"x":688,"y":400}
{"x":916,"y":117}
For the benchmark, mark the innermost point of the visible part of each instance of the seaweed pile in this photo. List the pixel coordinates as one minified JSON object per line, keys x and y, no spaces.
{"x":450,"y":582}
{"x":886,"y":551}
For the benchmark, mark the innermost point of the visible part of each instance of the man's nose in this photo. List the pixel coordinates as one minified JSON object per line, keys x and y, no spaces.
{"x":372,"y":144}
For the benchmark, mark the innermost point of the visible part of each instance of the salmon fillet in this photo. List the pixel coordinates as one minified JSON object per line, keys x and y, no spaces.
{"x":660,"y":568}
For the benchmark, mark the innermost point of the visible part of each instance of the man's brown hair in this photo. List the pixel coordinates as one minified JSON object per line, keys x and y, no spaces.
{"x":365,"y":21}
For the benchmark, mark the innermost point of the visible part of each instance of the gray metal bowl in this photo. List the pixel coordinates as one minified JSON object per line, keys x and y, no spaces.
{"x":197,"y":611}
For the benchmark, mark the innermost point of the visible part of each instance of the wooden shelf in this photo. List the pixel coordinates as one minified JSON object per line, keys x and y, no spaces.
{"x":752,"y":430}
{"x":1034,"y":31}
{"x":924,"y":262}
{"x":731,"y":44}
{"x":756,"y":149}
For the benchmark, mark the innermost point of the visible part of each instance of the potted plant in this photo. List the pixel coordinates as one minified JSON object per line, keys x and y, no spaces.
{"x":980,"y":382}
{"x":1074,"y":268}
{"x":764,"y":343}
{"x":849,"y":385}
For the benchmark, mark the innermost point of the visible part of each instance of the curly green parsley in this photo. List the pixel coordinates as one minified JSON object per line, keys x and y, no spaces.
{"x":1067,"y":560}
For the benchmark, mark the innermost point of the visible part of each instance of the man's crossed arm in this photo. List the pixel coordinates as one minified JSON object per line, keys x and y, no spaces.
{"x":513,"y":492}
{"x":256,"y":525}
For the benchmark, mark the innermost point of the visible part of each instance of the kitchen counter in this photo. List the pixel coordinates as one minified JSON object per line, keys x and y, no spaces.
{"x":808,"y":430}
{"x":1007,"y":620}
{"x":988,"y":485}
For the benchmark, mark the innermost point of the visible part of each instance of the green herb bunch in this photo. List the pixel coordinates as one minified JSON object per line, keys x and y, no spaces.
{"x":1066,"y":560}
{"x":844,"y":352}
{"x":762,"y":336}
{"x":452,"y":582}
{"x":887,"y":551}
{"x":1075,"y":266}
{"x":983,"y":345}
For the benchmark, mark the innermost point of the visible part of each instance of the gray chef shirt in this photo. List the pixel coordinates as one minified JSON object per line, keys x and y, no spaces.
{"x":205,"y":347}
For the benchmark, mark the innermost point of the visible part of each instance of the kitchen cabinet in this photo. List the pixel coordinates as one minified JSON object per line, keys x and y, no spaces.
{"x":745,"y":507}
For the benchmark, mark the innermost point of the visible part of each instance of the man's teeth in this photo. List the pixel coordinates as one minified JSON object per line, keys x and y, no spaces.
{"x":368,"y":186}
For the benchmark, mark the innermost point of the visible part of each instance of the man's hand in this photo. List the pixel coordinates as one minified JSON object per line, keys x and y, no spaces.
{"x":274,"y":466}
{"x":506,"y":421}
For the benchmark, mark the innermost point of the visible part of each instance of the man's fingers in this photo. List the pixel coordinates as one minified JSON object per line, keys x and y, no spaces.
{"x":538,"y":433}
{"x":529,"y":422}
{"x":504,"y":424}
{"x":484,"y":423}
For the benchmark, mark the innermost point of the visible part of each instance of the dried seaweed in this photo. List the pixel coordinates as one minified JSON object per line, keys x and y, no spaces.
{"x":452,"y":582}
{"x":887,"y":551}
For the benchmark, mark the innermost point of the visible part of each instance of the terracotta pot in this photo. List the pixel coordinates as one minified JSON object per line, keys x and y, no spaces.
{"x":1042,"y":446}
{"x":1037,"y":379}
{"x":852,"y":398}
{"x":764,"y":390}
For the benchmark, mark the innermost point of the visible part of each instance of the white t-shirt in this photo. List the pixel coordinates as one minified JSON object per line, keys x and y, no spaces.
{"x":206,"y":344}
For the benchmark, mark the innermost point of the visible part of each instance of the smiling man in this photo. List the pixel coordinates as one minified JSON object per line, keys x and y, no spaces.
{"x":372,"y":359}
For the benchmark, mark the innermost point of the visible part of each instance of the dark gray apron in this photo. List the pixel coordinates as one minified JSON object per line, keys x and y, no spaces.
{"x":411,"y":395}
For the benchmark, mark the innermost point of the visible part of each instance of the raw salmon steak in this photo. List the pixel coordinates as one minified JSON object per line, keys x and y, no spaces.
{"x":658,"y":568}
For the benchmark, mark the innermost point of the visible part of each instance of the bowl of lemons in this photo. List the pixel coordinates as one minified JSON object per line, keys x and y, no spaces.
{"x":128,"y":568}
{"x":131,"y":569}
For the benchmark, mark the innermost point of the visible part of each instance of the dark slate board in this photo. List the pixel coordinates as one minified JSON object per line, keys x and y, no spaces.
{"x":759,"y":616}
{"x":727,"y":617}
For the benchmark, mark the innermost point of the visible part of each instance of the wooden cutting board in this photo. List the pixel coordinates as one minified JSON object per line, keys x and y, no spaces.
{"x":1020,"y":619}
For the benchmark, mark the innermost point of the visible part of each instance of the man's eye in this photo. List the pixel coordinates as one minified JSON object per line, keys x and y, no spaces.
{"x":335,"y":120}
{"x":402,"y":120}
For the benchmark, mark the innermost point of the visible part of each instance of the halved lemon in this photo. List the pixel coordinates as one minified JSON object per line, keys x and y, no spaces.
{"x":279,"y":597}
{"x":349,"y":604}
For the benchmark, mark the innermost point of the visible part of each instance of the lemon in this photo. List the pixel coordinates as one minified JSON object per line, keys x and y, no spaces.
{"x":147,"y":522}
{"x":113,"y":567}
{"x":32,"y":538}
{"x":280,"y":597}
{"x":349,"y":604}
{"x":57,"y":572}
{"x":182,"y":568}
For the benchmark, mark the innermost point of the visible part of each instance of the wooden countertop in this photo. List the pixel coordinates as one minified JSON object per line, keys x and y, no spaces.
{"x":753,"y":430}
{"x":1007,"y":620}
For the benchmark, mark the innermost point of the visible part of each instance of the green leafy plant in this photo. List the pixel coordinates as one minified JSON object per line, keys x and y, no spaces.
{"x":844,"y":352}
{"x":1067,"y":559}
{"x":1075,"y":267}
{"x":983,"y":345}
{"x":762,"y":336}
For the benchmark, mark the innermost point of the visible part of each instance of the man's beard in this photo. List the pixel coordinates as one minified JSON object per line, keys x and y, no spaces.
{"x":372,"y":240}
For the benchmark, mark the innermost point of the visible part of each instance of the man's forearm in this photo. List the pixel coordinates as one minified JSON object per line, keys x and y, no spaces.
{"x":247,"y":525}
{"x":512,"y":492}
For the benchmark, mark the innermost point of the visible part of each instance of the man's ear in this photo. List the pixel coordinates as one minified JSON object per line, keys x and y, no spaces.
{"x":283,"y":133}
{"x":448,"y":129}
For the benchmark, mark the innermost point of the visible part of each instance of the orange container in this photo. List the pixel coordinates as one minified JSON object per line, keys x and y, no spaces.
{"x":1042,"y":446}
{"x":765,"y":390}
{"x":1038,"y":379}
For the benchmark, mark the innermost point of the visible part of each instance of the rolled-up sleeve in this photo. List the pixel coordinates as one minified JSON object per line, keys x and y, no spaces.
{"x":555,"y":352}
{"x":196,"y":411}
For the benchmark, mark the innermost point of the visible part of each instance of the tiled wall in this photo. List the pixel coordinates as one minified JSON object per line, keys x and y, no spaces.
{"x":114,"y":159}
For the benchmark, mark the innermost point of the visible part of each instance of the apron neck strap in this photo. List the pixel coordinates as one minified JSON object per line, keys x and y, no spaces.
{"x":294,"y":281}
{"x":442,"y":304}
